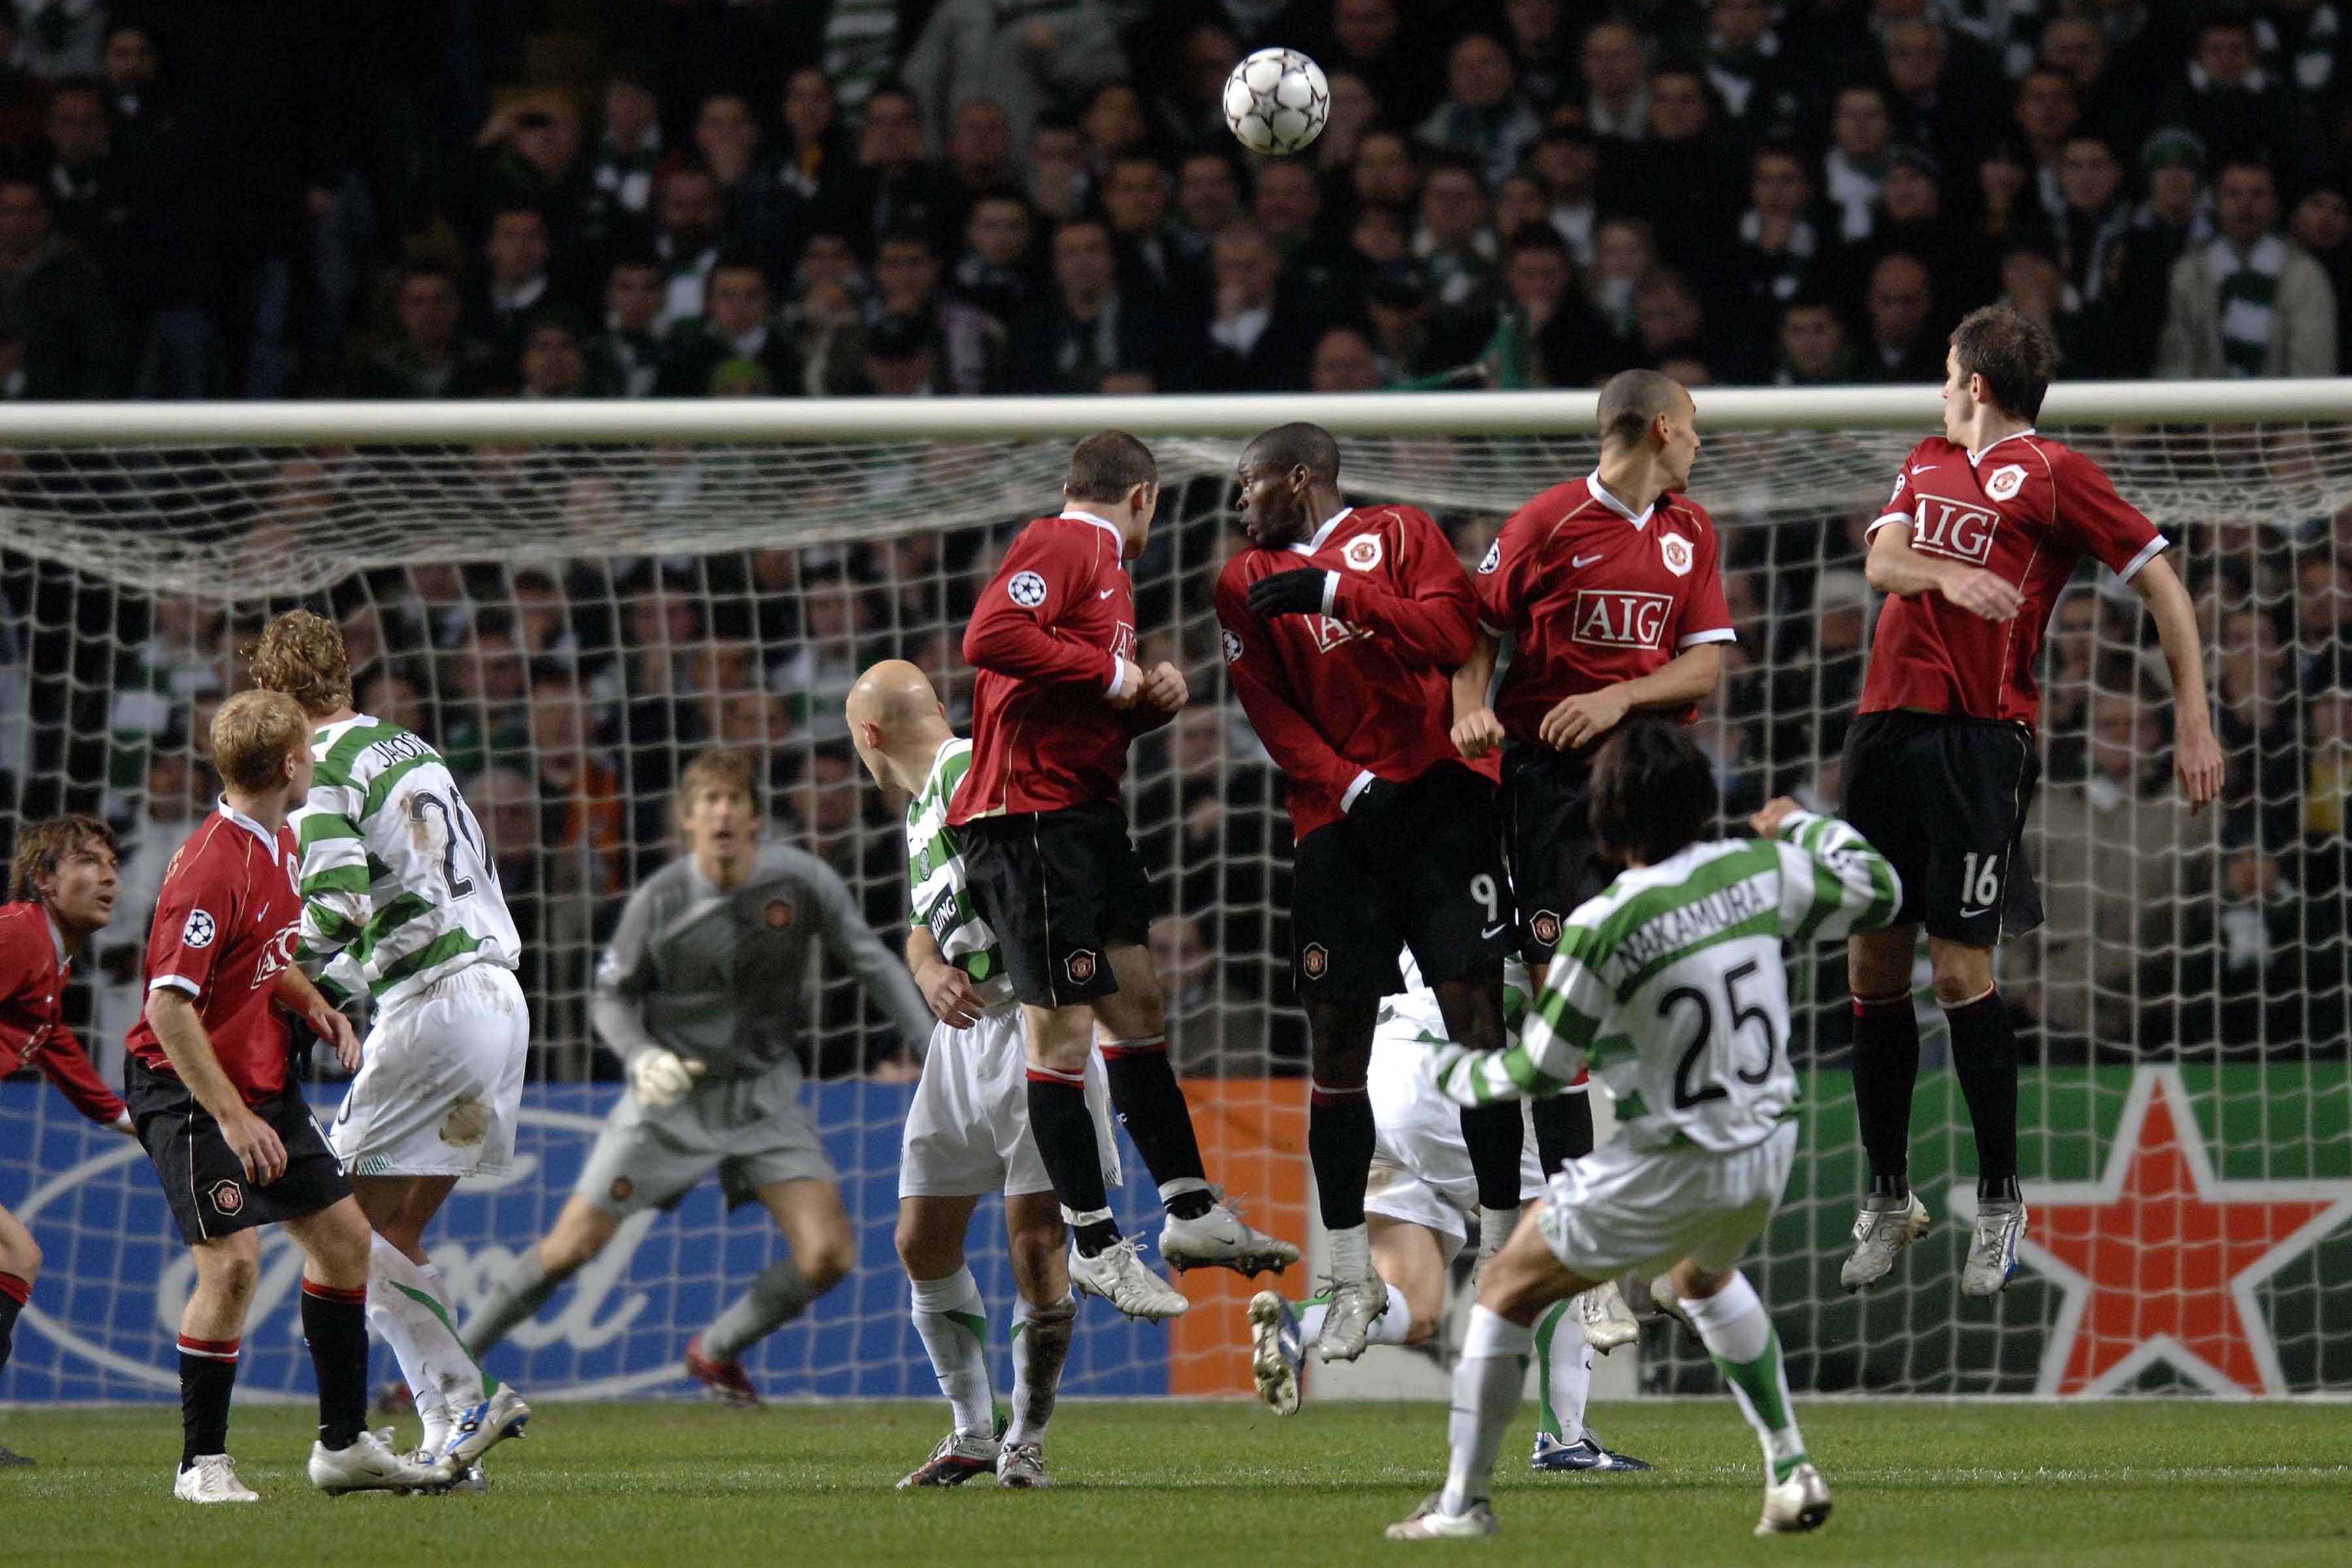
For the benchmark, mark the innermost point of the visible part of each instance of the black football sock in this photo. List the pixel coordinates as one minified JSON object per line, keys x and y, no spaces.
{"x":1497,"y":1136}
{"x":1340,"y":1136}
{"x":335,"y":1322}
{"x":1563,"y":1128}
{"x":1984,"y":1057}
{"x":14,"y":1294}
{"x":207,"y":1375}
{"x":1064,"y":1131}
{"x":1885,"y":1069}
{"x":1150,"y":1106}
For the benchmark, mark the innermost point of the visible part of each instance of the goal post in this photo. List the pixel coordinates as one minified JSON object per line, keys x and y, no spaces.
{"x":570,"y":598}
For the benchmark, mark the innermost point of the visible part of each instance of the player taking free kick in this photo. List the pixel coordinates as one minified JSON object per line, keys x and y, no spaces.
{"x":1052,"y":872}
{"x":1987,"y":525}
{"x":1341,"y":631}
{"x":1671,"y":984}
{"x":234,"y":1148}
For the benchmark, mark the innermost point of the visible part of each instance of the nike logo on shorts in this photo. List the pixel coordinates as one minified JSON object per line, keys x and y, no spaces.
{"x":1971,"y":914}
{"x":1491,"y":932}
{"x":1581,"y":562}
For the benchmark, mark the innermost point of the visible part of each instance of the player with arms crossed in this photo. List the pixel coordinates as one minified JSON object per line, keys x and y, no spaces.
{"x":1987,"y":525}
{"x":1670,"y":984}
{"x":62,"y":886}
{"x":1341,"y":630}
{"x":703,"y":994}
{"x":234,"y":1145}
{"x":968,"y":1128}
{"x":1051,"y":870}
{"x":1418,"y":1206}
{"x":1608,"y":594}
{"x":395,"y":875}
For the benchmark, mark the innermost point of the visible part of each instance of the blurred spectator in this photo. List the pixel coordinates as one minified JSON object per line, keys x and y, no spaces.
{"x":901,"y":358}
{"x":979,"y":148}
{"x":1546,"y":334}
{"x":1903,"y":344}
{"x":1779,"y":252}
{"x":1568,"y":162}
{"x":899,"y":189}
{"x":624,"y":359}
{"x":1086,"y":329}
{"x":1860,"y":137}
{"x":551,"y":362}
{"x":1456,"y":247}
{"x":1484,"y":115}
{"x":1813,"y":348}
{"x":1344,"y":362}
{"x":1257,"y":343}
{"x":516,"y":287}
{"x":737,"y":352}
{"x":994,"y":271}
{"x":2251,"y":302}
{"x":1028,"y":59}
{"x":2239,"y":111}
{"x":690,"y":213}
{"x":1742,"y":53}
{"x":1186,"y":100}
{"x":629,"y":148}
{"x":825,"y":318}
{"x":1059,"y":182}
{"x":727,"y":135}
{"x":1616,"y":81}
{"x":2173,"y":218}
{"x":816,"y":162}
{"x":969,"y":345}
{"x":1686,"y":179}
{"x":1152,"y":265}
{"x":428,"y":357}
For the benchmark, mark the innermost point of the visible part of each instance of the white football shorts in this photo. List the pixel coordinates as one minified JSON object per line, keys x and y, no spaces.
{"x":440,"y":1080}
{"x":1420,"y":1170}
{"x":1621,"y":1209}
{"x":968,"y":1126}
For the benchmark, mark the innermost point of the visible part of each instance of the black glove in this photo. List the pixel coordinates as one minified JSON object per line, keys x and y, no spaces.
{"x":1298,"y":593}
{"x":1374,"y":803}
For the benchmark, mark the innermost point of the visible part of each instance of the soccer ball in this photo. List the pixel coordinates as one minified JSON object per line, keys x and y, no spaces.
{"x":1278,"y":101}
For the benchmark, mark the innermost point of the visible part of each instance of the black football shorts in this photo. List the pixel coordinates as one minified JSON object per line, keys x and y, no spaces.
{"x":1944,"y":798}
{"x":1060,"y":888}
{"x":203,"y":1181}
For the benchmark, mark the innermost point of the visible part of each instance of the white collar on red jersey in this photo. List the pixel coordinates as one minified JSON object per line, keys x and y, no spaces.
{"x":269,"y":839}
{"x":57,"y":933}
{"x":1600,"y":494}
{"x":1118,"y":540}
{"x":1315,"y":540}
{"x":1978,"y":456}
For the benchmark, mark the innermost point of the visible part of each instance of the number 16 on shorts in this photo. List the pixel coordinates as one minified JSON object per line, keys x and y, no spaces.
{"x":1979,"y":885}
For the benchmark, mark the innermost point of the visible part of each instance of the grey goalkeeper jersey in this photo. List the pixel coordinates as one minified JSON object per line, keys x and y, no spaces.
{"x":722,"y":976}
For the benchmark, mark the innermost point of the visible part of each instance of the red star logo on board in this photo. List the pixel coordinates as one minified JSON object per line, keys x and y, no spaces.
{"x":2160,"y":1258}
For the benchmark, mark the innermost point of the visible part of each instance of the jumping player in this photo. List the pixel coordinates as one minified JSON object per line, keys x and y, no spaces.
{"x":233,"y":1146}
{"x":62,"y":886}
{"x":968,"y":1129}
{"x":1607,"y":593}
{"x":395,"y":866}
{"x":1986,"y":526}
{"x":1671,"y":984}
{"x":1341,"y":630}
{"x":1051,"y":870}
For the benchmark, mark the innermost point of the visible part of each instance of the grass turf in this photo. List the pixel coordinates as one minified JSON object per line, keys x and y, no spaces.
{"x":2137,"y":1484}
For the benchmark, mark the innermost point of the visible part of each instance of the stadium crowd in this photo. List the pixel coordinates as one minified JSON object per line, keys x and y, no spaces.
{"x":979,"y":195}
{"x":730,"y":198}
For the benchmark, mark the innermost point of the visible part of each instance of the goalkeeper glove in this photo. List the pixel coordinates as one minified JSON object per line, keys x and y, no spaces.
{"x":1298,"y":593}
{"x":661,"y":1079}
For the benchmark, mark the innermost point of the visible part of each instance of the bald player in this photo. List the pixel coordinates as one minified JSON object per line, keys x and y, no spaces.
{"x":968,"y":1128}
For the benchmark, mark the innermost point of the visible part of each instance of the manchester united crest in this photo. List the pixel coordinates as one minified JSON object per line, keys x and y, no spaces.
{"x":227,"y":1197}
{"x":1314,"y":960}
{"x":1677,"y":553}
{"x":1546,"y":925}
{"x":2005,"y":481}
{"x":778,"y":915}
{"x":1079,"y":966}
{"x":1362,"y":552}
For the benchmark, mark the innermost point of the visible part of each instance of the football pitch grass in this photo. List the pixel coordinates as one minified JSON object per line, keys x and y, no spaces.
{"x":2128,"y":1484}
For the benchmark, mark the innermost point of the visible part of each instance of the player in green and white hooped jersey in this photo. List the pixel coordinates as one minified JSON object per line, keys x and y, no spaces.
{"x":1670,"y":984}
{"x":399,"y":887}
{"x":968,"y":1129}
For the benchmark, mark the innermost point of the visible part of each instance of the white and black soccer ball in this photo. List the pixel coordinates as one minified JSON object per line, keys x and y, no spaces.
{"x":1278,"y":101}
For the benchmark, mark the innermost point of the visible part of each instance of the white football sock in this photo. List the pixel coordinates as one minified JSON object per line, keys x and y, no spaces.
{"x":1486,"y":1384}
{"x":953,"y":1322}
{"x":1041,"y":1344}
{"x":431,"y":1408}
{"x":1565,"y":1363}
{"x":1737,"y":1332}
{"x":1389,"y":1329}
{"x":444,"y":1375}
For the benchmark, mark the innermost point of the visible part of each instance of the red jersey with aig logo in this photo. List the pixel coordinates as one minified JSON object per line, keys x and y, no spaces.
{"x":1045,"y":639}
{"x":2025,"y":508}
{"x":226,"y":924}
{"x":1592,"y":593}
{"x":1363,"y":689}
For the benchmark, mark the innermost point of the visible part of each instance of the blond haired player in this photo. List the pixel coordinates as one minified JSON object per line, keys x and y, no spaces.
{"x":395,"y":872}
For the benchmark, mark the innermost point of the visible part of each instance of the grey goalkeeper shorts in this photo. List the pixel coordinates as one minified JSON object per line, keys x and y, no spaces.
{"x":753,"y":1131}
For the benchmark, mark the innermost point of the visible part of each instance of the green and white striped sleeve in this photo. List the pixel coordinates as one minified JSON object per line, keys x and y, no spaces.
{"x":335,"y":874}
{"x":1833,"y":881}
{"x":1554,"y":1041}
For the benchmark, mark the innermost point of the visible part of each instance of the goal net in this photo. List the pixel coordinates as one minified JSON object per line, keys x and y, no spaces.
{"x":569,"y":602}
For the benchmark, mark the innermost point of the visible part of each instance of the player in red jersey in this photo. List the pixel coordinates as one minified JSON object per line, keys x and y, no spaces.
{"x":1341,"y":632}
{"x":232,"y":1141}
{"x":1609,"y":592}
{"x":63,"y":882}
{"x":1052,"y":870}
{"x":1987,"y":524}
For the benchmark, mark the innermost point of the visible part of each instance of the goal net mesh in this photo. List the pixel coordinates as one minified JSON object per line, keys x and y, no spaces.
{"x":568,"y":623}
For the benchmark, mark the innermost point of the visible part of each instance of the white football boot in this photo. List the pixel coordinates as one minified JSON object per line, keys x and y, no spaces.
{"x":1884,"y":1229}
{"x":1022,"y":1467}
{"x":1220,"y":1238}
{"x":958,"y":1457}
{"x":1117,"y":1275}
{"x":1606,"y":1320}
{"x":212,"y":1479}
{"x":1277,"y":1356}
{"x":484,"y":1424}
{"x":1359,"y":1297}
{"x":1429,"y":1522}
{"x":1800,"y":1504}
{"x":370,"y":1464}
{"x":1992,"y":1249}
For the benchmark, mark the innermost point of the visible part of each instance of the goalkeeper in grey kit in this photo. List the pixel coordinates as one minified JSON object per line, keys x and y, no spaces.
{"x":703,"y":994}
